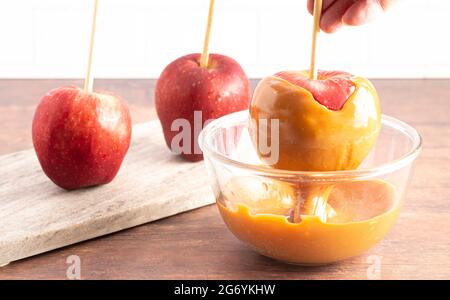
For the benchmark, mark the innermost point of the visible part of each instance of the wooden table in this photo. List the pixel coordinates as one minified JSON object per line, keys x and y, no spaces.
{"x":197,"y":245}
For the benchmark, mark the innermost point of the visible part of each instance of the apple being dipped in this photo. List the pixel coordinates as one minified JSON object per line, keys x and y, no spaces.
{"x":326,"y":124}
{"x":188,"y":94}
{"x":81,"y":138}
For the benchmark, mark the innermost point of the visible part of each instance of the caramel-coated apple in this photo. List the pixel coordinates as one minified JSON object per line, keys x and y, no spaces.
{"x":326,"y":124}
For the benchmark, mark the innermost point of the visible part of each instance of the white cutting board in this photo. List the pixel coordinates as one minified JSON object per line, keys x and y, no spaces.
{"x":37,"y":216}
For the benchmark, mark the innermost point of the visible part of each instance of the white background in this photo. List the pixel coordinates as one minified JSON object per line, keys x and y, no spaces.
{"x":137,"y":38}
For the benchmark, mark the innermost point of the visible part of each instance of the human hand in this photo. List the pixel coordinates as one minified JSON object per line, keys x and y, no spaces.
{"x":336,"y":13}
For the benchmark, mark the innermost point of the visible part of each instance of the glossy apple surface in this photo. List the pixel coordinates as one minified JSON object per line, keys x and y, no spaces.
{"x":81,"y":138}
{"x":324,"y":125}
{"x":184,"y":88}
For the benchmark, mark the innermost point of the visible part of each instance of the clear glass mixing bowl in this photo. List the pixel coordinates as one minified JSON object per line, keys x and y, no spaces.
{"x":308,"y":218}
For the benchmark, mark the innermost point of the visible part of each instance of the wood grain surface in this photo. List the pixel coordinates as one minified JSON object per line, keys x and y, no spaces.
{"x":197,"y":245}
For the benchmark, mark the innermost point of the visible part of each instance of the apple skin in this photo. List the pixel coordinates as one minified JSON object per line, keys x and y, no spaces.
{"x":312,"y":136}
{"x":331,"y":89}
{"x":81,"y":138}
{"x":184,"y":87}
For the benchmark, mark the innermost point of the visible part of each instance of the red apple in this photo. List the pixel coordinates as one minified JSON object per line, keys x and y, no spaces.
{"x":186,"y":91}
{"x":81,"y":138}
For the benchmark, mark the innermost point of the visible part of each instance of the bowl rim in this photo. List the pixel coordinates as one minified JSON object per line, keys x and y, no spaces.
{"x":376,"y":171}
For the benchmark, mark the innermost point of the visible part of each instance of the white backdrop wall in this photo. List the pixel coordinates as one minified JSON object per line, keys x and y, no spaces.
{"x":137,"y":38}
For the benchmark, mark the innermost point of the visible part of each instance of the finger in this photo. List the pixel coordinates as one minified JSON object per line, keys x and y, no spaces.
{"x":386,"y":4}
{"x":325,"y":5}
{"x":332,"y":17}
{"x":362,"y":12}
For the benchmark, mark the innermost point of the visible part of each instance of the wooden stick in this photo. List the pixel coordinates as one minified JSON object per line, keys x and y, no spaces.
{"x":204,"y":59}
{"x":312,"y":200}
{"x":89,"y":80}
{"x":316,"y":30}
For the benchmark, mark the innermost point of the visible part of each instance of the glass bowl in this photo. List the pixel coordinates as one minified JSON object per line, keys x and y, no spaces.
{"x":308,"y":218}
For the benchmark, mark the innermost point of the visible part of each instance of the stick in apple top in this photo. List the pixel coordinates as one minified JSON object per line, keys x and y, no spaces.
{"x":205,"y":53}
{"x":316,"y":29}
{"x":89,"y":80}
